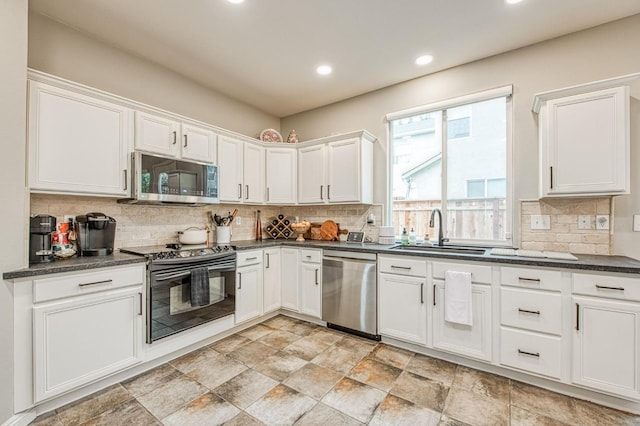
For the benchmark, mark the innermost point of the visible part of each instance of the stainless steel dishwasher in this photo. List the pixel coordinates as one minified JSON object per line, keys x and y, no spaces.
{"x":349,"y":292}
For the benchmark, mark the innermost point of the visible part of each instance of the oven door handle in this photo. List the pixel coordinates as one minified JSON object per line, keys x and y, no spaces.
{"x":169,"y":277}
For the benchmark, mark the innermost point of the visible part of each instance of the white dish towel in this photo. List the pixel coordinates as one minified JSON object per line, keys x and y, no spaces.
{"x":457,"y":297}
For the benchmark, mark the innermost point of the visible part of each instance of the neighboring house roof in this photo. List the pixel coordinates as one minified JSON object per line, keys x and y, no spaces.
{"x":428,"y":163}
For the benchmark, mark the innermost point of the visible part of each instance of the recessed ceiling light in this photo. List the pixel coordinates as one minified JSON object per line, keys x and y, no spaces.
{"x":324,"y":70}
{"x":512,"y":1}
{"x":235,"y":1}
{"x":424,"y":59}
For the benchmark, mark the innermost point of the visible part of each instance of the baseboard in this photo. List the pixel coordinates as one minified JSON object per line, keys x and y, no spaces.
{"x":21,"y":419}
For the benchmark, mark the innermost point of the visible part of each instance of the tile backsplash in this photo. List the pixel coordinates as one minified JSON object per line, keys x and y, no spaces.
{"x":140,"y":225}
{"x":564,"y":234}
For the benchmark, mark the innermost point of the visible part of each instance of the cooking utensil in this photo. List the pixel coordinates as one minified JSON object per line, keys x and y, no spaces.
{"x":193,"y":235}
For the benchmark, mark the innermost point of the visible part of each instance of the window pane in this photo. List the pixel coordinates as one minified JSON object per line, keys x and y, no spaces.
{"x":496,"y":188}
{"x":416,"y":145}
{"x":480,"y":157}
{"x":475,"y":188}
{"x":459,"y":128}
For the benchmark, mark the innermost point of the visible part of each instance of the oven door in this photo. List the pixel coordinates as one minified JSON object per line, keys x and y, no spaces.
{"x":170,"y":308}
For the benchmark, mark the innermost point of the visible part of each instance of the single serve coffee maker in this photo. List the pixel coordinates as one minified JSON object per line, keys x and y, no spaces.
{"x":41,"y":227}
{"x":95,"y":234}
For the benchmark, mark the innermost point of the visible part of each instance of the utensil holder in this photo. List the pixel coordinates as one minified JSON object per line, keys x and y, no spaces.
{"x":223,"y":235}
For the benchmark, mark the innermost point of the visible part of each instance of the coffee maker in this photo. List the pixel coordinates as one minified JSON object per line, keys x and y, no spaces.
{"x":95,"y":234}
{"x":41,"y":227}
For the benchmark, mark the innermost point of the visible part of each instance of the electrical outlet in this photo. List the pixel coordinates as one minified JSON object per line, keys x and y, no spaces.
{"x":584,"y":222}
{"x":540,"y":221}
{"x":636,"y":222}
{"x":238,"y":220}
{"x":602,"y":222}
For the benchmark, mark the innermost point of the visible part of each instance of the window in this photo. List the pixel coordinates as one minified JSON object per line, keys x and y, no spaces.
{"x":437,"y":160}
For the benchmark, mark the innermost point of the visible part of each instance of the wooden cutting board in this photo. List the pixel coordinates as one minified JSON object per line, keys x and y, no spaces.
{"x":330,"y":230}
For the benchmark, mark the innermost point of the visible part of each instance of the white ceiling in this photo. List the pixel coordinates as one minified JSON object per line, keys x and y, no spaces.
{"x":264,"y":52}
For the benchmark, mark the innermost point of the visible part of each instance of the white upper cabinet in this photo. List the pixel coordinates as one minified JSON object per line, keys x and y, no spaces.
{"x":584,"y":139}
{"x":167,"y":136}
{"x":339,"y":170}
{"x":281,"y":171}
{"x":241,"y":171}
{"x":77,"y":143}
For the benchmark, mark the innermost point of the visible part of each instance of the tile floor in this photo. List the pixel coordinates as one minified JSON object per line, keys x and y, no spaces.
{"x":285,"y":371}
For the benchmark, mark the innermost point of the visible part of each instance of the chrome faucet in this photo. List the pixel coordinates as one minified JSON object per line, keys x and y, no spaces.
{"x":441,"y":239}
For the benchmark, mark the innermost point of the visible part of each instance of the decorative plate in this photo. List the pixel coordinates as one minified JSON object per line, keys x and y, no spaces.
{"x":270,"y":135}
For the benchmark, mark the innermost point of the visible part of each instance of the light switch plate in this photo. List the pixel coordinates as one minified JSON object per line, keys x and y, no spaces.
{"x":602,"y":222}
{"x":636,"y":222}
{"x":584,"y":222}
{"x":540,"y":221}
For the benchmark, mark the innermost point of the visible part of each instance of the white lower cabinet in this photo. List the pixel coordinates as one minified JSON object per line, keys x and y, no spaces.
{"x":311,"y":289}
{"x":289,"y":280}
{"x":474,"y":340}
{"x":91,"y":328}
{"x":402,"y":307}
{"x":249,"y":286}
{"x":534,"y":352}
{"x":606,"y":345}
{"x":272,"y":280}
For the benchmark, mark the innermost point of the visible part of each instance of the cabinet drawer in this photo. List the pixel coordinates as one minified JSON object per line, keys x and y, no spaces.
{"x":403,"y":265}
{"x":479,"y":274}
{"x":531,"y":352}
{"x":87,"y":282}
{"x":312,"y":256}
{"x":609,"y":286}
{"x":532,"y":310}
{"x":245,"y":258}
{"x":531,"y":278}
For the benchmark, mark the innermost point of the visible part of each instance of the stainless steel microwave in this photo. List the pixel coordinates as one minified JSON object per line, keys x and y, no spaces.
{"x":158,"y":180}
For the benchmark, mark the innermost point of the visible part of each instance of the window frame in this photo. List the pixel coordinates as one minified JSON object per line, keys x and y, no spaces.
{"x":499,"y":92}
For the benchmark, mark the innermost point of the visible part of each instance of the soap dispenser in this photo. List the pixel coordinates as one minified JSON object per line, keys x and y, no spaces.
{"x":405,"y":237}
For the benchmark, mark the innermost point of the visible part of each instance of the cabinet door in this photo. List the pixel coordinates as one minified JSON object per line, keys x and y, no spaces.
{"x":272,"y":279}
{"x":230,"y":169}
{"x":157,"y":134}
{"x":402,"y":308}
{"x":281,"y":175}
{"x":77,"y":144}
{"x":343,"y":171}
{"x":588,"y":143}
{"x":254,"y":178}
{"x":82,"y":339}
{"x":311,"y":289}
{"x":248,"y":293}
{"x":473,"y":341}
{"x":606,"y":341}
{"x":198,"y":143}
{"x":311,"y":175}
{"x":289,"y":265}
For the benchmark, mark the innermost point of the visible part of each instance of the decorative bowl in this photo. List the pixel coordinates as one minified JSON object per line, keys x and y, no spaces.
{"x":300,"y":229}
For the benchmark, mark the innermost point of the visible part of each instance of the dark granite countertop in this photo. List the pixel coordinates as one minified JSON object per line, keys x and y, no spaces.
{"x":74,"y":263}
{"x":587,"y":262}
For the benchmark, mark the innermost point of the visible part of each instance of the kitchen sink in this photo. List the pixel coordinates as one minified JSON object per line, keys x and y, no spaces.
{"x":443,"y":249}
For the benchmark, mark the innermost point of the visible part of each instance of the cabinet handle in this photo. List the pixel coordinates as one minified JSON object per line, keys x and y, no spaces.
{"x":246,"y":196}
{"x":251,"y":258}
{"x":308,"y":257}
{"x":604,"y":287}
{"x":95,"y":283}
{"x":267,"y":193}
{"x":328,"y":192}
{"x":267,"y":254}
{"x":577,"y":316}
{"x":406,"y":268}
{"x":422,"y":293}
{"x":126,"y":184}
{"x":140,"y":313}
{"x":175,"y":137}
{"x":526,"y":311}
{"x":185,"y":140}
{"x":551,"y":176}
{"x":239,"y":280}
{"x":316,"y":271}
{"x":531,"y":280}
{"x":239,"y":191}
{"x":536,"y":354}
{"x":434,"y":295}
{"x":321,"y":193}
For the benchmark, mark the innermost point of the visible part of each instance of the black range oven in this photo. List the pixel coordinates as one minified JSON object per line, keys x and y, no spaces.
{"x":170,"y":275}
